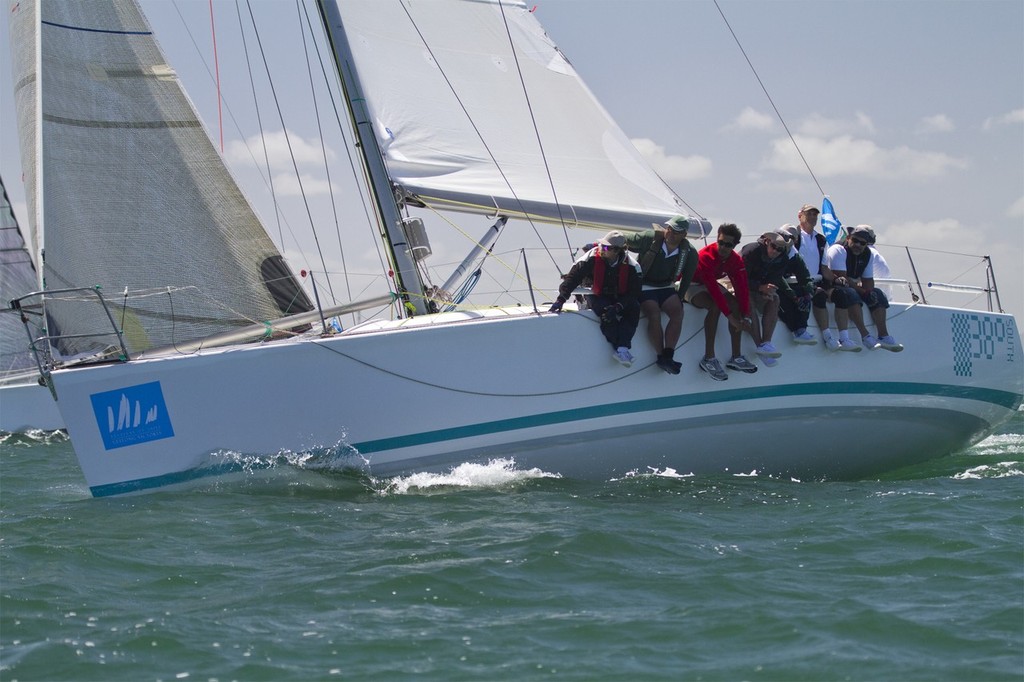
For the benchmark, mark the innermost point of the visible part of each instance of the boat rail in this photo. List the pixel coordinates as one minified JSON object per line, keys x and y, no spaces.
{"x":42,"y":346}
{"x":989,"y":290}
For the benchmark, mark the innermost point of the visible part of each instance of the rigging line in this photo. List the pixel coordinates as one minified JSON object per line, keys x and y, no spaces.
{"x":536,"y":130}
{"x":287,"y":137}
{"x":227,"y":106}
{"x":487,"y":252}
{"x":368,"y":212}
{"x":964,"y":273}
{"x":216,"y":69}
{"x":259,"y":124}
{"x":319,"y":344}
{"x":475,"y":128}
{"x":770,"y":101}
{"x":922,"y":248}
{"x":323,"y":148}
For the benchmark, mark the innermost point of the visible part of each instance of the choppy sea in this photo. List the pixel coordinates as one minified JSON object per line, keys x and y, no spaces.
{"x":497,"y":573}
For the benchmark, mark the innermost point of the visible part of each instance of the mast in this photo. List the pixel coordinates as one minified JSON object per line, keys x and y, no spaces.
{"x":406,"y":275}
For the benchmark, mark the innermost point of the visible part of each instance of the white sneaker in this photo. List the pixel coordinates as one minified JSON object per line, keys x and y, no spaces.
{"x":831,"y":343}
{"x":767,"y":350}
{"x":889,"y":343}
{"x":804,"y":337}
{"x":870,"y":342}
{"x":769,"y":361}
{"x":849,"y":345}
{"x":623,"y":357}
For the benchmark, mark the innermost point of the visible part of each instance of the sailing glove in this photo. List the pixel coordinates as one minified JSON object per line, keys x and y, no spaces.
{"x":556,"y":307}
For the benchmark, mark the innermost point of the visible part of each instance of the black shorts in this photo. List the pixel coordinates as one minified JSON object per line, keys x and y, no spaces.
{"x":659,"y":296}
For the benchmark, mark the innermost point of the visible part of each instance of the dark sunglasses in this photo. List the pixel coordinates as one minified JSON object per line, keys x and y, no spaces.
{"x":726,"y":245}
{"x":859,"y":241}
{"x":606,"y":247}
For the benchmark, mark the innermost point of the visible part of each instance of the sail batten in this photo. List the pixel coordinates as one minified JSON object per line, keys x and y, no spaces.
{"x":474,"y":105}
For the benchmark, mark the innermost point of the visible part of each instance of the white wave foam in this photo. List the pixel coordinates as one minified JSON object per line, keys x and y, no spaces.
{"x":667,"y":472}
{"x":494,"y":474}
{"x":999,"y":470}
{"x":1001,"y":443}
{"x":31,"y":437}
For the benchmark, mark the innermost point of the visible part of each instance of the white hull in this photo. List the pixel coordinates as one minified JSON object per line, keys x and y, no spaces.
{"x":28,"y":405}
{"x":544,"y":390}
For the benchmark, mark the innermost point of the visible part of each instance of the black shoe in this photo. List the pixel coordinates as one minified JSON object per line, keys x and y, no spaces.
{"x":669,"y":365}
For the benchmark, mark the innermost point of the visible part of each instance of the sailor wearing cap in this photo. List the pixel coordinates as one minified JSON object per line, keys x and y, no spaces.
{"x":613,"y":276}
{"x":666,"y":257}
{"x":794,"y":311}
{"x":852,"y":265}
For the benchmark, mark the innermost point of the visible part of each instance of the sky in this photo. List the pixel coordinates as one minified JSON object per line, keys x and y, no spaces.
{"x":909,"y":114}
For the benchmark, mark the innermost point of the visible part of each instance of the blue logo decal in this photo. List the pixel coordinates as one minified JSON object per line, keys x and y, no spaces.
{"x":132,"y":415}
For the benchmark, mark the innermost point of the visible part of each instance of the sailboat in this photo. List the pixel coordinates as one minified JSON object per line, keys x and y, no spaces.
{"x":458,"y":106}
{"x":25,"y":403}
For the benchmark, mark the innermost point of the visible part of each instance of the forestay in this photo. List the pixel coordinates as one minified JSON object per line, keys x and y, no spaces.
{"x":476,"y":109}
{"x":126,"y":188}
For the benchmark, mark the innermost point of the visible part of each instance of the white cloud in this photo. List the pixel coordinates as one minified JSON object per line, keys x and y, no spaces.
{"x":672,"y":167}
{"x":846,"y":155}
{"x":816,"y":125}
{"x":287,"y":185}
{"x":306,"y":152}
{"x":1016,"y":209}
{"x":779,"y":186}
{"x":939,"y":123}
{"x":1011,"y":118}
{"x":944,"y":231}
{"x":750,"y":119}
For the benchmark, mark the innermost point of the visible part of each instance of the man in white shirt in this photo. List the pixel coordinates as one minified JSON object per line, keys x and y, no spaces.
{"x":852,"y":267}
{"x":811,"y":247}
{"x":811,"y":244}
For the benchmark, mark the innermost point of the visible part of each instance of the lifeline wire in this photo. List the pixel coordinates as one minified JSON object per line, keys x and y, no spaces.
{"x":770,"y":101}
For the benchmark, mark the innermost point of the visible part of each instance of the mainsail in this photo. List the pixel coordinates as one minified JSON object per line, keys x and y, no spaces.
{"x":476,"y":109}
{"x":17,"y":278}
{"x":127,"y":191}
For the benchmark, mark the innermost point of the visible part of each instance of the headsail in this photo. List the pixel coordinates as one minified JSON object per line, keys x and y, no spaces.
{"x":130,"y":193}
{"x":17,"y":278}
{"x":476,"y":109}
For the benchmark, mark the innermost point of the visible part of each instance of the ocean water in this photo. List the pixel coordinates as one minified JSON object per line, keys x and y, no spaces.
{"x":496,"y":573}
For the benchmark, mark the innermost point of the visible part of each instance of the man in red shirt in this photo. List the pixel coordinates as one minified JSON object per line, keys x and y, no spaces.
{"x":715,"y":261}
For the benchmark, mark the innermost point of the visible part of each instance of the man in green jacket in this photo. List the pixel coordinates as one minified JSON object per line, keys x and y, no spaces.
{"x":666,"y":257}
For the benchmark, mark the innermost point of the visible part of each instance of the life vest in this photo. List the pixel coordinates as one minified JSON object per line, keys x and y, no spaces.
{"x":855,"y":265}
{"x":647,"y":259}
{"x":819,"y":238}
{"x":599,"y":271}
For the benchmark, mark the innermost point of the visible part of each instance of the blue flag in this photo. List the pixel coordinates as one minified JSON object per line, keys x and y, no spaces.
{"x":830,"y":225}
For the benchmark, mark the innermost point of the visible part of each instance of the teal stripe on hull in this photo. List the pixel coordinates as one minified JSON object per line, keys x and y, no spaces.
{"x":177,"y":478}
{"x":1002,"y":398}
